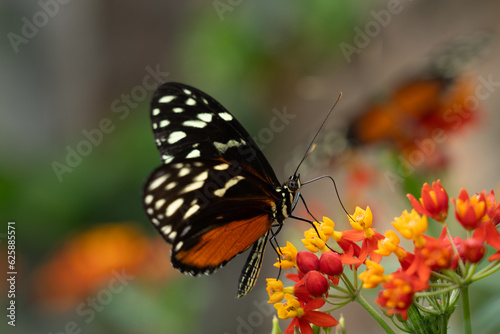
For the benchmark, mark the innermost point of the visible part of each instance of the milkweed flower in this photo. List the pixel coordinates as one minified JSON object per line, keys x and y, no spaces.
{"x":470,"y":211}
{"x":433,"y":203}
{"x":315,"y":239}
{"x":398,"y":294}
{"x":361,"y":220}
{"x":288,"y":256}
{"x":303,"y":314}
{"x":373,"y":276}
{"x":411,"y":226}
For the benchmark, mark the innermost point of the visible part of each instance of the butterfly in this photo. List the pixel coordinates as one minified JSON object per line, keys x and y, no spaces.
{"x":215,"y":195}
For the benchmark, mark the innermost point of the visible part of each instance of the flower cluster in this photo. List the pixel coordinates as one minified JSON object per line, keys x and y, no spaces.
{"x":428,"y":273}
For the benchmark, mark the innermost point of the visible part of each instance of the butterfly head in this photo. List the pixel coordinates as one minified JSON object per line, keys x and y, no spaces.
{"x":293,"y":183}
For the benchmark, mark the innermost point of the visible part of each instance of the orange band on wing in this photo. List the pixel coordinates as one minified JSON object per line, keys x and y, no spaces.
{"x":224,"y":242}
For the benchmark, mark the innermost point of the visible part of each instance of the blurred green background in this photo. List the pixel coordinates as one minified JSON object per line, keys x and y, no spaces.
{"x":68,"y":67}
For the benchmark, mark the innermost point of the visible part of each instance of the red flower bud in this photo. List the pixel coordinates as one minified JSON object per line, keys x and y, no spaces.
{"x":471,"y":250}
{"x":316,"y":284}
{"x":330,"y":264}
{"x":307,"y":261}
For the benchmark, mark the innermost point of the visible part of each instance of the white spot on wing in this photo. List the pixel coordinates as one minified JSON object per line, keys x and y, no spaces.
{"x":166,"y":229}
{"x":195,"y":124}
{"x":226,"y":116}
{"x":178,"y":246}
{"x":206,"y":117}
{"x":156,"y":111}
{"x":190,"y":102}
{"x":172,"y":235}
{"x":164,"y":123}
{"x":192,"y":210}
{"x":176,"y":136}
{"x":155,"y":126}
{"x":220,"y":192}
{"x":221,"y":167}
{"x":222,"y":148}
{"x":166,"y":99}
{"x":158,"y":182}
{"x":187,"y":91}
{"x":150,"y":211}
{"x":159,"y":203}
{"x":173,"y":207}
{"x":192,"y":186}
{"x":167,"y":158}
{"x":193,"y":154}
{"x":184,"y":171}
{"x":148,"y":199}
{"x":155,"y":221}
{"x":201,"y":177}
{"x":178,"y":110}
{"x":171,"y":185}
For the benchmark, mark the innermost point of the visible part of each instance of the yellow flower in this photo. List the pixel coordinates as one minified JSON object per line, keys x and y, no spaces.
{"x":411,"y":226}
{"x":389,"y":244}
{"x":362,"y":220}
{"x":288,"y":255}
{"x":290,"y":309}
{"x":313,"y":242}
{"x":373,"y":276}
{"x":327,"y":226}
{"x":274,"y":290}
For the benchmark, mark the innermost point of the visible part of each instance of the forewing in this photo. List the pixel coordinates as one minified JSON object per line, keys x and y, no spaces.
{"x":189,"y":124}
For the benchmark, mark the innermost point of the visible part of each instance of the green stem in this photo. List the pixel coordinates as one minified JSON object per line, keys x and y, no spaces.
{"x":444,"y":323}
{"x":374,"y":314}
{"x":466,"y":310}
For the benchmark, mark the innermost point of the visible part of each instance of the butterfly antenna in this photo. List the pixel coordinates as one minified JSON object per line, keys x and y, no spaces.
{"x":311,"y":148}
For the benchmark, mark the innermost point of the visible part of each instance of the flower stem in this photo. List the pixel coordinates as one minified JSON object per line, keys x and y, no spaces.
{"x":374,"y":314}
{"x":466,"y":310}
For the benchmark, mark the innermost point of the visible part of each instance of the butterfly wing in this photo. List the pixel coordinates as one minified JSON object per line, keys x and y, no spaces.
{"x":189,"y":124}
{"x":215,"y":195}
{"x":208,"y":210}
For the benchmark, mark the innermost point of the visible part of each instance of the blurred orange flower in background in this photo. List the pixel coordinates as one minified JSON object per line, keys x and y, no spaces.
{"x":87,"y":261}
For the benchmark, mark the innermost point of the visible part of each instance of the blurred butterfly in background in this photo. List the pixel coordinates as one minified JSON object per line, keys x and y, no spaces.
{"x":215,"y":195}
{"x":436,"y":98}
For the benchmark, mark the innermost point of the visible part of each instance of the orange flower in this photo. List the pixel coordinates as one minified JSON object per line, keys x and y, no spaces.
{"x":470,"y":211}
{"x":398,"y":294}
{"x":88,"y":260}
{"x":433,"y":203}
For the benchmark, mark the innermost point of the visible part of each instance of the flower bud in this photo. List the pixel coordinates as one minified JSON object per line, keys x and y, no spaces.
{"x":330,"y":264}
{"x":307,"y":261}
{"x":471,"y":250}
{"x":316,"y":284}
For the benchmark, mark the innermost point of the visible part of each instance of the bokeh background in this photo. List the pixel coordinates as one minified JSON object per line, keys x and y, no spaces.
{"x":86,"y":256}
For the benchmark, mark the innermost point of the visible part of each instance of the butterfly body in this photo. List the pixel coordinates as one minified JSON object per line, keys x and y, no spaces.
{"x":215,"y":195}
